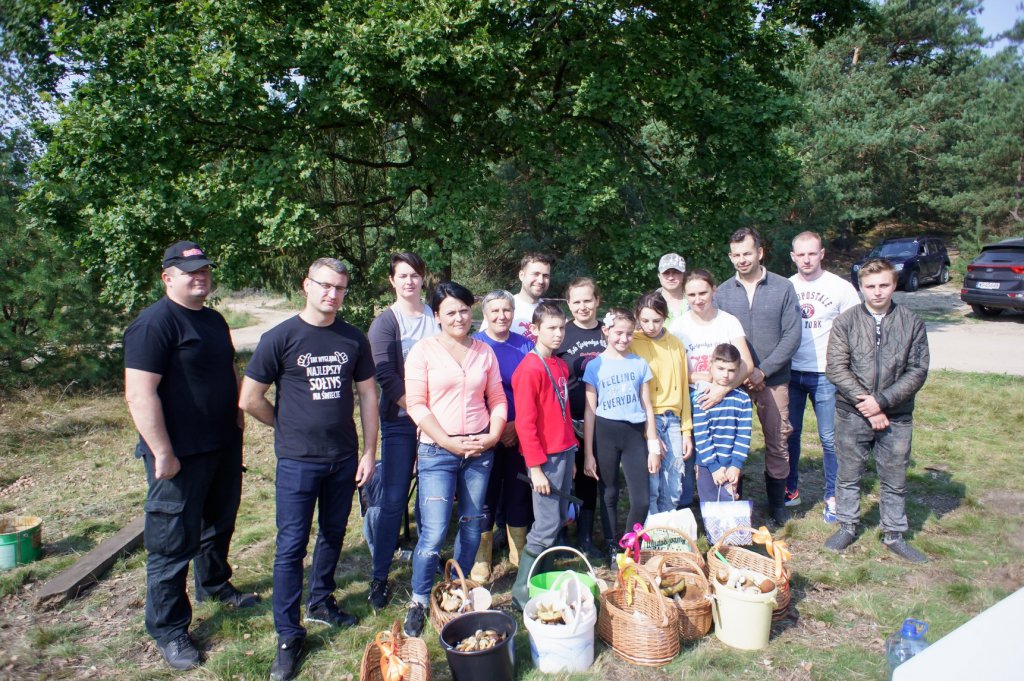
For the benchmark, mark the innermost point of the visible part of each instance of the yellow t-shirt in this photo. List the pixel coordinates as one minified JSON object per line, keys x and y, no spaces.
{"x":670,"y":386}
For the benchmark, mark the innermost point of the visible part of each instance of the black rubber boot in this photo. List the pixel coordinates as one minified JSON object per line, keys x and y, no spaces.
{"x":775,"y":489}
{"x":585,"y":534}
{"x":521,"y":589}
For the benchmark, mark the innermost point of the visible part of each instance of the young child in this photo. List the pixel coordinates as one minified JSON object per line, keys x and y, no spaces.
{"x":619,"y":418}
{"x":540,"y":386}
{"x":672,"y":486}
{"x":721,"y":435}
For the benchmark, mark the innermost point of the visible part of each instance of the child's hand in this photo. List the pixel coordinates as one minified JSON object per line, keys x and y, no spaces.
{"x":653,"y":463}
{"x":687,"y":447}
{"x":540,"y":481}
{"x":590,"y":466}
{"x":732,"y":474}
{"x":719,"y":477}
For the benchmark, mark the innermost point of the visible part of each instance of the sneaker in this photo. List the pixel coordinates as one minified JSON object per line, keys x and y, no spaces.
{"x":286,"y":663}
{"x":234,"y":598}
{"x":180,"y":653}
{"x":380,"y":592}
{"x":843,"y":537}
{"x":414,"y":619}
{"x":328,"y":612}
{"x":895,"y":542}
{"x":792,"y":498}
{"x":829,"y":512}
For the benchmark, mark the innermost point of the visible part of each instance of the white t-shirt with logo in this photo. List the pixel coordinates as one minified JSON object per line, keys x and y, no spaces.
{"x":701,"y":338}
{"x":821,"y":301}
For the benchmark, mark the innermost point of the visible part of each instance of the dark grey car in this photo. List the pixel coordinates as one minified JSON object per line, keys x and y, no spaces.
{"x":995,"y":279}
{"x":917,"y":259}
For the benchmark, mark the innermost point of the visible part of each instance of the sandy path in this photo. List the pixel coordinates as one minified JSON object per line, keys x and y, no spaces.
{"x":269,"y":311}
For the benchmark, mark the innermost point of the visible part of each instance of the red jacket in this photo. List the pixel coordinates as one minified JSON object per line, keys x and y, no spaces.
{"x":540,"y":423}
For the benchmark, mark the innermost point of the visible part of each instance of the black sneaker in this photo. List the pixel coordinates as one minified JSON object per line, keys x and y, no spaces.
{"x":414,"y":619}
{"x":286,"y":662}
{"x":843,"y":537}
{"x":380,"y":592}
{"x":895,"y":542}
{"x":328,"y":612}
{"x":181,"y":653}
{"x":234,"y":598}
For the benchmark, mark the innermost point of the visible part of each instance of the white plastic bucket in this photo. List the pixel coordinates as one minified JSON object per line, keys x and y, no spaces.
{"x":743,"y":619}
{"x":563,"y":647}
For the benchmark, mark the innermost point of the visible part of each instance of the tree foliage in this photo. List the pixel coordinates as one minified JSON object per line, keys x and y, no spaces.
{"x":605,"y":132}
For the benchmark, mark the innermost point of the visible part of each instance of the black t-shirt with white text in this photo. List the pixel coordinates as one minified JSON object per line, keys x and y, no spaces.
{"x":579,"y":346}
{"x":314,"y":369}
{"x":191,"y":350}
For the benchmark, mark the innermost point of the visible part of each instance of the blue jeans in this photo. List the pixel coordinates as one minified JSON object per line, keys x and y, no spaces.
{"x":672,"y":486}
{"x":442,"y":477}
{"x":804,"y":384}
{"x":301,"y":485}
{"x":397,"y":457}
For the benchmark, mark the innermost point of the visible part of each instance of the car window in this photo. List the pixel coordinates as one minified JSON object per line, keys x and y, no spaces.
{"x":998,"y":256}
{"x":896,"y":249}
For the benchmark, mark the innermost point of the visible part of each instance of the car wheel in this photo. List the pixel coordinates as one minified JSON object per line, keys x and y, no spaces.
{"x":983,"y":311}
{"x":912,"y":282}
{"x":943,"y":274}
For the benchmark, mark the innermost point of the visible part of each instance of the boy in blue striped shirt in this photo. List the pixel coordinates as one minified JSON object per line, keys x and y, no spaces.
{"x":721,"y":435}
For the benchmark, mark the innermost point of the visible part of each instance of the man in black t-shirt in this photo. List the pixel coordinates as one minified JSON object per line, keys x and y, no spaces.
{"x":182,"y":393}
{"x":314,"y":359}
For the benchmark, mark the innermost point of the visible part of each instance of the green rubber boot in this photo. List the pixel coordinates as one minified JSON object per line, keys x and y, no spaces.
{"x":521,"y":589}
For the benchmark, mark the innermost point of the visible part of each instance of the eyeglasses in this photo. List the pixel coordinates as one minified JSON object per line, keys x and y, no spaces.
{"x":340,"y":290}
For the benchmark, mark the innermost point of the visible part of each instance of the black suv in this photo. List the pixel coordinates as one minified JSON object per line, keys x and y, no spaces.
{"x":995,"y":279}
{"x":916,"y":259}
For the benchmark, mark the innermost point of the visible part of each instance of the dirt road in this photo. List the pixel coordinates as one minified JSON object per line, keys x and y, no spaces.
{"x":957,"y":339}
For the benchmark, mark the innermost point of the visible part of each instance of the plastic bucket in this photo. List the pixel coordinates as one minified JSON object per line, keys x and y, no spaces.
{"x":549,"y":581}
{"x":743,"y":620}
{"x":21,"y":540}
{"x":494,"y":664}
{"x":563,"y":647}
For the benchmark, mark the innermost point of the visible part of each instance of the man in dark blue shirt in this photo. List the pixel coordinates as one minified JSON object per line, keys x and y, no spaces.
{"x":314,"y":359}
{"x":182,"y":390}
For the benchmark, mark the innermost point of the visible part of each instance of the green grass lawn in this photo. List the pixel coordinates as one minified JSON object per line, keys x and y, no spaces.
{"x":68,"y":460}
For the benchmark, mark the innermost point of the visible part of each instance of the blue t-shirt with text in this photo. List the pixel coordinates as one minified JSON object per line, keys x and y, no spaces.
{"x":618,"y":383}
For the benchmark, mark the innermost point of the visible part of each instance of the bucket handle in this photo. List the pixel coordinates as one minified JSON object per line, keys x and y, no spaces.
{"x":559,"y":584}
{"x":552,"y":549}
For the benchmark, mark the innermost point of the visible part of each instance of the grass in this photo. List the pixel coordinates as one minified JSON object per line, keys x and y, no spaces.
{"x":69,"y":460}
{"x":238,"y":319}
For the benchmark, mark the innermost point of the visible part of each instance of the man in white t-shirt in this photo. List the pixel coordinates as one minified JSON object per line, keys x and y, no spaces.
{"x":822,"y":297}
{"x":534,"y":279}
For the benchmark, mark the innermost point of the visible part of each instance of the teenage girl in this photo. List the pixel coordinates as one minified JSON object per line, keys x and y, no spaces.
{"x":672,"y":486}
{"x":620,"y":420}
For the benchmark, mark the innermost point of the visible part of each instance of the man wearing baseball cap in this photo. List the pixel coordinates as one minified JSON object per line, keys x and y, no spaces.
{"x":182,"y":392}
{"x":672,"y":274}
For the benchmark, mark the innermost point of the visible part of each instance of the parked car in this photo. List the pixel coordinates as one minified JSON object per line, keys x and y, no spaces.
{"x":916,"y":258}
{"x":995,"y":279}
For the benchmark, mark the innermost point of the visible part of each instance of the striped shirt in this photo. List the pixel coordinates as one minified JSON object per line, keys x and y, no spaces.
{"x":721,"y":435}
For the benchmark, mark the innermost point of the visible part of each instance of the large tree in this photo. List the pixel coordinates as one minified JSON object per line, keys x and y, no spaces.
{"x":604,"y":131}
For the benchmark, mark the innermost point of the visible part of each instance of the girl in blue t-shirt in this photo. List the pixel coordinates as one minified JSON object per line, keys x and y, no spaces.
{"x":619,"y":418}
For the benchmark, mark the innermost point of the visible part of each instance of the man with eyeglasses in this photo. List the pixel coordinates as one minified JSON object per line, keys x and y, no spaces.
{"x":314,"y":359}
{"x":182,"y":392}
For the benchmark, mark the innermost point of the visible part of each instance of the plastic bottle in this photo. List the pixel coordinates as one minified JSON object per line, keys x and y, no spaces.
{"x":905,"y":643}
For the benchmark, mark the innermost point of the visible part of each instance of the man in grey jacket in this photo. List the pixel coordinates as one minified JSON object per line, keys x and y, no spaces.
{"x":878,"y":360}
{"x":767,"y":307}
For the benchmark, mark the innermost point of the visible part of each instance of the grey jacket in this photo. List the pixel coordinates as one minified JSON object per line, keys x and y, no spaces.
{"x":891,"y":367}
{"x":771,"y":324}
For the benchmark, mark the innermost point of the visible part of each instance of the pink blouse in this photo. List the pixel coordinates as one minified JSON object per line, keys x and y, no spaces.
{"x":460,"y":396}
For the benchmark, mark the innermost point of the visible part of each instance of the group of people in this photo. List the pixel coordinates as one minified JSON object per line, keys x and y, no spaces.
{"x":508,"y":421}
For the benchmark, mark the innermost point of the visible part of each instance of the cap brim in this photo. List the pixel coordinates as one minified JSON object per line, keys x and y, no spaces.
{"x":193,"y":265}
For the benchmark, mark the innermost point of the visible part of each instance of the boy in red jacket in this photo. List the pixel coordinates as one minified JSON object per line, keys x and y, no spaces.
{"x":546,"y":437}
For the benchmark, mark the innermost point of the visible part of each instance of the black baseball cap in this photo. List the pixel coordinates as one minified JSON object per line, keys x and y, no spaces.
{"x":186,"y":256}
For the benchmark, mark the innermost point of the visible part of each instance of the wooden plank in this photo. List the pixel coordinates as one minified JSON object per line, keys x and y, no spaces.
{"x":90,"y":567}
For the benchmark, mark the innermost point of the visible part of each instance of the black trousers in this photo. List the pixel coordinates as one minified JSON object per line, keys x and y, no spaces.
{"x":190,"y":517}
{"x":622,"y":443}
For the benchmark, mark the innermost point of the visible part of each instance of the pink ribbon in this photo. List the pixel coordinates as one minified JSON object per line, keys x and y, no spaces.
{"x":631,"y":541}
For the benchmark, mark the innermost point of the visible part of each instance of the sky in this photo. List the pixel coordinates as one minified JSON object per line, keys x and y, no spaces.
{"x":998,"y":16}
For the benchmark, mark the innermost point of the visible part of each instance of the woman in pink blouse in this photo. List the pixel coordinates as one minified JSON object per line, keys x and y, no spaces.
{"x":453,"y":394}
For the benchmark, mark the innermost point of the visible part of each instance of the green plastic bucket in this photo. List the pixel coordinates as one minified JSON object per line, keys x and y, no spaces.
{"x":549,"y":581}
{"x":21,"y":540}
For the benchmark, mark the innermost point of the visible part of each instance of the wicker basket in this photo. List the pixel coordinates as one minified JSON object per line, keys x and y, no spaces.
{"x":746,"y":559}
{"x":694,"y":608}
{"x":652,"y":640}
{"x":412,"y":651}
{"x":439,"y":617}
{"x":659,"y":535}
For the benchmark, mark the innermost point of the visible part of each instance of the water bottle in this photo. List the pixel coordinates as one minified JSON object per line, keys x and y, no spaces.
{"x":905,"y":643}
